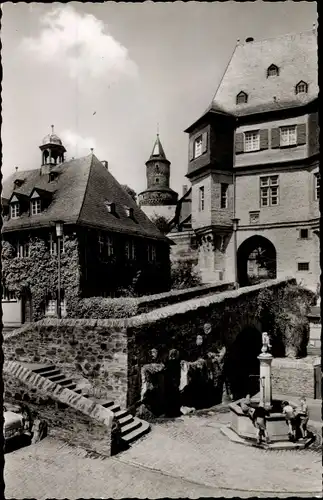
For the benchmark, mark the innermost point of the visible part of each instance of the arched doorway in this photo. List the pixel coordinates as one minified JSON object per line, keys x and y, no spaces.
{"x":256,"y":261}
{"x":242,"y":364}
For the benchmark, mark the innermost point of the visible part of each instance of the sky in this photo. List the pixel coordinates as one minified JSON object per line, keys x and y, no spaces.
{"x":107,"y":75}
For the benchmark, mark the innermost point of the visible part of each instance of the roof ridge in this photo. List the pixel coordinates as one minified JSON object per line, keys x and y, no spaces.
{"x":86,"y":188}
{"x":276,"y":37}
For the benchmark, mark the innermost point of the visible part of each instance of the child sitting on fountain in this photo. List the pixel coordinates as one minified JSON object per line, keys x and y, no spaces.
{"x":245,"y":405}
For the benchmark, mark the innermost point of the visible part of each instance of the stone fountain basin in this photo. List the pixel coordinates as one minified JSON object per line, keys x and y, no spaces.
{"x":243,"y":426}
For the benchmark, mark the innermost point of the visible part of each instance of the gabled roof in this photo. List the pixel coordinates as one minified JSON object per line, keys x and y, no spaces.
{"x":79,"y":194}
{"x":296,"y":57}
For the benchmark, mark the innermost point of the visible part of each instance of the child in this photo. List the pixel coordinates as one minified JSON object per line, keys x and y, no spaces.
{"x":245,"y":405}
{"x":303,"y":415}
{"x":259,"y":421}
{"x":290,"y":416}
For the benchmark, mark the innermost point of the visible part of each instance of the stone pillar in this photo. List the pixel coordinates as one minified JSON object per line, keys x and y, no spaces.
{"x":265,"y":359}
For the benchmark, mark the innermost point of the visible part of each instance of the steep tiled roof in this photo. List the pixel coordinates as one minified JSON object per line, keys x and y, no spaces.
{"x":78,"y":196}
{"x":296,"y":57}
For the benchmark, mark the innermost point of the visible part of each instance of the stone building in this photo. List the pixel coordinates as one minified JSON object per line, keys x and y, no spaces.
{"x":107,"y":244}
{"x":158,"y":200}
{"x":254,"y":167}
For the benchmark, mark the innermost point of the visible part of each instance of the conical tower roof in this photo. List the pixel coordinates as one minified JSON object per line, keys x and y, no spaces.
{"x":158,"y":151}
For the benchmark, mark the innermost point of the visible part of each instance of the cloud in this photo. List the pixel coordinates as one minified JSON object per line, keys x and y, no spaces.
{"x":76,"y":145}
{"x":80,"y":43}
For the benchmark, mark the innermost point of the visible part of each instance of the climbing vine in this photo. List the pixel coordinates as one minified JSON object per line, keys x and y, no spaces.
{"x":38,"y":273}
{"x":283,"y":313}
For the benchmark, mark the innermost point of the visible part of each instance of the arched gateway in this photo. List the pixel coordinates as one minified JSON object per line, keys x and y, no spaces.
{"x":256,"y":261}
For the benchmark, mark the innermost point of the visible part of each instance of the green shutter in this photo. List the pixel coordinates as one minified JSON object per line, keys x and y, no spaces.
{"x":301,"y":134}
{"x":239,"y":143}
{"x":204,"y":142}
{"x":191,"y":149}
{"x":263,"y":139}
{"x":275,"y":138}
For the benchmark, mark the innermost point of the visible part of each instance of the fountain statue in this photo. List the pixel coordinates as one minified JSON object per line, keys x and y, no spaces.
{"x":265,"y":359}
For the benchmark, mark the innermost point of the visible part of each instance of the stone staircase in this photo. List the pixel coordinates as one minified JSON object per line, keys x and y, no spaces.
{"x":132,"y":428}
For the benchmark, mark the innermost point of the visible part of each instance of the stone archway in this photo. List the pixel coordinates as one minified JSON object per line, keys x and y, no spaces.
{"x":256,"y":261}
{"x":242,"y":364}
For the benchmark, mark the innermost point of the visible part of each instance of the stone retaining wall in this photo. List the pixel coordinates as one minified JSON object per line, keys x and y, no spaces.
{"x":69,"y":416}
{"x":294,"y":376}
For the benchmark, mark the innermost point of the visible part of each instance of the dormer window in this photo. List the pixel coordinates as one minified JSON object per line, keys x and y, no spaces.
{"x":273,"y":70}
{"x":110,"y":206}
{"x":18,"y":182}
{"x":52,"y":176}
{"x":301,"y":88}
{"x":35,"y":206}
{"x":129,"y":212}
{"x":14,"y":210}
{"x":242,"y":98}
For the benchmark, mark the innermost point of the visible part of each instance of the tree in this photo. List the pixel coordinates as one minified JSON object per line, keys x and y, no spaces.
{"x":162,"y":223}
{"x":130,"y":191}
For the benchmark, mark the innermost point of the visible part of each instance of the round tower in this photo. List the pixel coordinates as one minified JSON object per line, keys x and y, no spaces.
{"x":158,"y":199}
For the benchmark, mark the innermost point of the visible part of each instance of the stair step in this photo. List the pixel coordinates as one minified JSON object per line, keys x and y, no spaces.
{"x":50,"y":372}
{"x":126,"y":429}
{"x":120,"y":414}
{"x":44,"y":369}
{"x":58,"y":376}
{"x":107,"y":404}
{"x":71,"y":387}
{"x":64,"y":382}
{"x":79,"y":391}
{"x":114,"y":408}
{"x":137,"y":433}
{"x":125,"y":420}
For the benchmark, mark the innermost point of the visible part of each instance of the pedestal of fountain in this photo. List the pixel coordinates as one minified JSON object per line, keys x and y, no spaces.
{"x":241,"y":428}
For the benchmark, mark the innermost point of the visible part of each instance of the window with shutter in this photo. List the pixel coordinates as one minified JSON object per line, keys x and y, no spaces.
{"x":263,"y":139}
{"x":301,"y":134}
{"x":239,"y":143}
{"x":275,"y":138}
{"x":204,"y":142}
{"x":198,"y":145}
{"x":288,"y":136}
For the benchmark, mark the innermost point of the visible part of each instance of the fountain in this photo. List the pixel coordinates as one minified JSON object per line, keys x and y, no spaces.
{"x":241,"y":428}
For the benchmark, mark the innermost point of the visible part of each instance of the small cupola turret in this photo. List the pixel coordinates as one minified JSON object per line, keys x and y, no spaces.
{"x":52,"y":152}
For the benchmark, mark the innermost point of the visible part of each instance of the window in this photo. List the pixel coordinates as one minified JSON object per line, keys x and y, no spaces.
{"x":317,"y":186}
{"x":157,"y":168}
{"x":111,"y":208}
{"x":129,"y":211}
{"x":269,"y":191}
{"x":8,"y":296}
{"x":14,"y":210}
{"x":106,"y":245}
{"x":51,"y":307}
{"x":288,"y":136}
{"x":301,"y":88}
{"x":201,"y":198}
{"x":23,"y":250}
{"x":303,"y":234}
{"x":198,"y":143}
{"x":53,"y":244}
{"x":272,"y":70}
{"x":151,"y":252}
{"x":242,"y":98}
{"x":224,"y":195}
{"x":252,"y":141}
{"x":157,"y":180}
{"x":303,"y":266}
{"x":130,"y":250}
{"x":35,"y":206}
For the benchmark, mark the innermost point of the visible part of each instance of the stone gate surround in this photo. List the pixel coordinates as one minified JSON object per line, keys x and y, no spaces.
{"x":108,"y":355}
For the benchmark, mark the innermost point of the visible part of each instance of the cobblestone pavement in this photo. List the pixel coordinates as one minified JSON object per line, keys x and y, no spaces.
{"x":194,"y":448}
{"x":187,"y":457}
{"x":52,"y":469}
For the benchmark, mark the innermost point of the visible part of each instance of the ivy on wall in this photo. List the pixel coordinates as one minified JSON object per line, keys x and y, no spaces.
{"x":284,"y":315}
{"x":38,"y":273}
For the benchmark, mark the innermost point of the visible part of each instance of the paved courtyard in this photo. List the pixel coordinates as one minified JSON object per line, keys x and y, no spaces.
{"x":187,"y":457}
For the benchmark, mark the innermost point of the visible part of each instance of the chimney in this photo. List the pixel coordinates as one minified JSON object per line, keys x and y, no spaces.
{"x":105,"y":164}
{"x":250,"y":39}
{"x":185,"y":189}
